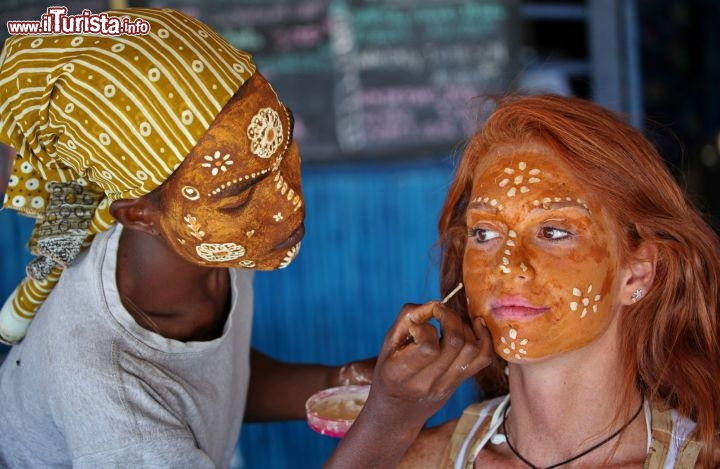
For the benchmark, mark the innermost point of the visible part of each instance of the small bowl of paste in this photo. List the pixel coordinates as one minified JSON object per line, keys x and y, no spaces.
{"x":332,"y":411}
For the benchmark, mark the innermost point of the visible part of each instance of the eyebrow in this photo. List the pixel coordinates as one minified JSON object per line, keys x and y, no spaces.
{"x":482,"y":206}
{"x":239,"y":185}
{"x":559,"y":204}
{"x":543,"y":204}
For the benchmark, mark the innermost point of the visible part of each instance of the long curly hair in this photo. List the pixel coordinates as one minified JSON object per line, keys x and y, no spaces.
{"x":670,"y":342}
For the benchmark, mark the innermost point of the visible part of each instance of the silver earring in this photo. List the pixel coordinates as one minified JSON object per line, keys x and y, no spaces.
{"x":637,"y":294}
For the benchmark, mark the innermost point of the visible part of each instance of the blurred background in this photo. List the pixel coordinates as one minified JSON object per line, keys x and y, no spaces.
{"x":383,"y":94}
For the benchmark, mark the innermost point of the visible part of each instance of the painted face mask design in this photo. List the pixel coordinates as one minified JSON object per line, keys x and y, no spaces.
{"x":104,"y":118}
{"x":236,"y":200}
{"x":540,"y":259}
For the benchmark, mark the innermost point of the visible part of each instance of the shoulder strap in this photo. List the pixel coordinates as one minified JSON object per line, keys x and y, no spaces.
{"x":672,"y":443}
{"x":472,"y":426}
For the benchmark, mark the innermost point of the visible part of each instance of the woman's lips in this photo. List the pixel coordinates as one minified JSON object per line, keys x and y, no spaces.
{"x":294,"y":238}
{"x":515,"y":308}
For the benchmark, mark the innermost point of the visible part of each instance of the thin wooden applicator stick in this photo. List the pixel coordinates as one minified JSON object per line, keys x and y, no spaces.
{"x":452,"y":293}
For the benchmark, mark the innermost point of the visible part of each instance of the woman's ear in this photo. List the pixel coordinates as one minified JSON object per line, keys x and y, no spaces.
{"x":639,"y":273}
{"x":136,"y":214}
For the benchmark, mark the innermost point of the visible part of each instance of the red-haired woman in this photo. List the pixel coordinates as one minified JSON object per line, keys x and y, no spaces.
{"x":598,"y":282}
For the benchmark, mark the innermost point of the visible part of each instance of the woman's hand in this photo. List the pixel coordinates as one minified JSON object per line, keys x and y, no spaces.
{"x":418,"y":369}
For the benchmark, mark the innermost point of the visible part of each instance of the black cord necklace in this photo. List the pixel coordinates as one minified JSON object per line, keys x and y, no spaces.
{"x":577,"y":456}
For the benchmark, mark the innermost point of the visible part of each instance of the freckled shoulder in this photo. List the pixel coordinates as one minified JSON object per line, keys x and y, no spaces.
{"x":429,"y":449}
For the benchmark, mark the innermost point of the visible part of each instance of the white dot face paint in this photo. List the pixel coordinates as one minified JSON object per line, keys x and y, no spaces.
{"x":541,"y":272}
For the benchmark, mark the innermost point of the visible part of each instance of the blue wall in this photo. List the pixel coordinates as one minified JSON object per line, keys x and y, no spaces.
{"x":368,"y":249}
{"x":14,"y":233}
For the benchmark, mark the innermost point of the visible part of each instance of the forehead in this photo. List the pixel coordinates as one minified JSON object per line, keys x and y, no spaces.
{"x":255,"y":138}
{"x":531,"y":164}
{"x":516,"y":180}
{"x":529,"y":172}
{"x":248,"y":139}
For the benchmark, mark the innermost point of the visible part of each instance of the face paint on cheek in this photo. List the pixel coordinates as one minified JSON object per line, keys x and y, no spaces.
{"x":220,"y":252}
{"x":196,"y":237}
{"x":205,"y":252}
{"x":577,"y":318}
{"x":270,"y":209}
{"x":584,"y":302}
{"x":509,"y":341}
{"x":280,"y":216}
{"x":193,"y":227}
{"x":282,"y":186}
{"x":512,"y":346}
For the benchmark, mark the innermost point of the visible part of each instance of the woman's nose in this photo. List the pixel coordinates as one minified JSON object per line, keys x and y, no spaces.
{"x":515,"y":260}
{"x":523,"y":271}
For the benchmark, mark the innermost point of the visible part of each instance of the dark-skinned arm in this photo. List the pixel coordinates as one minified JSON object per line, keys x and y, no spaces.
{"x":278,"y":390}
{"x":417,"y":371}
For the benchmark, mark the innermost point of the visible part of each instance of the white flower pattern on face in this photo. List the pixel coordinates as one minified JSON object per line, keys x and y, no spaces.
{"x":585,"y":301}
{"x":221,"y":252}
{"x":265,"y":133}
{"x":512,"y":346}
{"x":217,"y":162}
{"x":516,"y":179}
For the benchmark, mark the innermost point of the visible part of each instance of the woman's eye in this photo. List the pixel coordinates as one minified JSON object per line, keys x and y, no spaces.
{"x":554,"y":234}
{"x":238,"y":202}
{"x":483,"y":235}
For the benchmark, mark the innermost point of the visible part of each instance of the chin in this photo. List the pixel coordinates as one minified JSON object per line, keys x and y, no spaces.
{"x":278,"y":259}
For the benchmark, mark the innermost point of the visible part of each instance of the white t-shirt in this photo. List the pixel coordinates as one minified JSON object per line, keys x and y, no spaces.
{"x":89,"y":387}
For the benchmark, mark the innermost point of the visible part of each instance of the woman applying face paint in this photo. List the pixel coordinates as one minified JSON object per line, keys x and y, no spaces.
{"x":598,"y":282}
{"x":162,"y":172}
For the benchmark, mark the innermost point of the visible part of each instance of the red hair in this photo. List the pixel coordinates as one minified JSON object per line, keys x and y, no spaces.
{"x":670,"y":339}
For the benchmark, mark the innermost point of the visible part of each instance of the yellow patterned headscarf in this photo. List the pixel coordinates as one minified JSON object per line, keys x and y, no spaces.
{"x":99,"y":118}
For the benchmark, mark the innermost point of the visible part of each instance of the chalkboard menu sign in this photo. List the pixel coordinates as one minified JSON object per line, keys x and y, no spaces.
{"x":373,"y":77}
